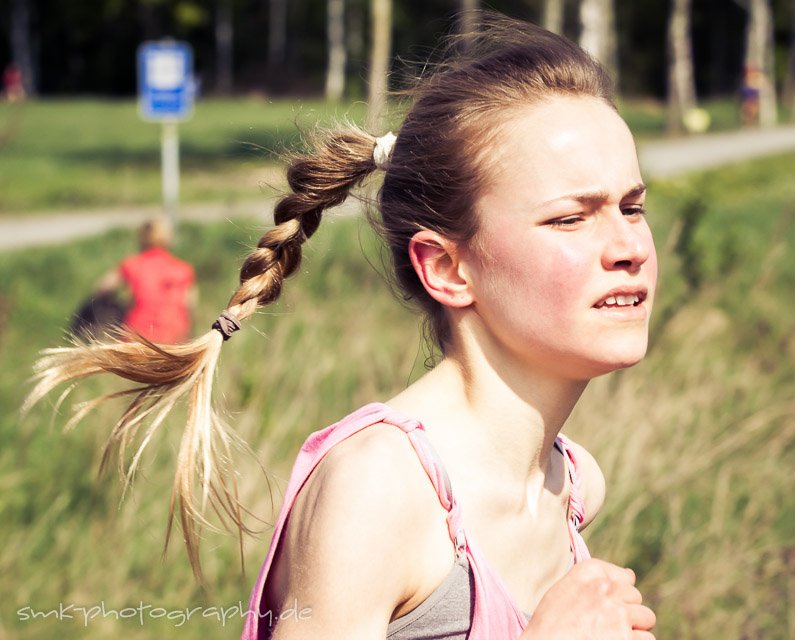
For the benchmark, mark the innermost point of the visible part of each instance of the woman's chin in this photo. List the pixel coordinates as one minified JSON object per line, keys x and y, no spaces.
{"x":616,"y":361}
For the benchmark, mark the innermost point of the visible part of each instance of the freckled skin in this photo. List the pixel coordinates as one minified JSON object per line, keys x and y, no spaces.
{"x":545,"y":256}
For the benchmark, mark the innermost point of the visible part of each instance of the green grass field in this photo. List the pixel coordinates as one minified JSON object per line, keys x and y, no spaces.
{"x":89,"y":154}
{"x":697,"y":442}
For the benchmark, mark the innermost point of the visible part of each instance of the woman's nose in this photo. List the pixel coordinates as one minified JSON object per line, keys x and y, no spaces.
{"x":629,"y":244}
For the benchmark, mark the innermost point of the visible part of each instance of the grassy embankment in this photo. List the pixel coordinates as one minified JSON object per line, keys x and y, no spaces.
{"x":697,"y":442}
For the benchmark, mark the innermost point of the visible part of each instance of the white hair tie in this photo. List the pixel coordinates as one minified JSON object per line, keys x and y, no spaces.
{"x":383,"y":150}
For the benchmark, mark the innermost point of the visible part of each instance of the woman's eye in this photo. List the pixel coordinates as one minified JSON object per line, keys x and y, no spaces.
{"x":634,"y":210}
{"x":568,"y":221}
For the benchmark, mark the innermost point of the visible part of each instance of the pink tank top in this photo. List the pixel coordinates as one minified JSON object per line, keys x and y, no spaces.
{"x":495,"y":614}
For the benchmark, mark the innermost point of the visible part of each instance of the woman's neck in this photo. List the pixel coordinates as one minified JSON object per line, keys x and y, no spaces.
{"x":501,"y":417}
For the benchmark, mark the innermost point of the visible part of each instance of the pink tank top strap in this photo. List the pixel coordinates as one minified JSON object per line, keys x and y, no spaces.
{"x":495,"y":615}
{"x":441,"y":482}
{"x":314,"y":450}
{"x":576,"y":504}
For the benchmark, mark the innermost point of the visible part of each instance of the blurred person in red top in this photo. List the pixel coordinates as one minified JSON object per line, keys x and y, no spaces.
{"x":12,"y":83}
{"x":161,"y":285}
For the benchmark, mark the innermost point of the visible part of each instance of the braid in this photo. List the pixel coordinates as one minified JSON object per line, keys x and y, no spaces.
{"x":163,"y":375}
{"x":319,"y":181}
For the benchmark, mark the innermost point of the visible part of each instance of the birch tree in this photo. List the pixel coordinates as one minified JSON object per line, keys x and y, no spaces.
{"x":760,"y":57}
{"x":277,"y":35}
{"x":223,"y":47}
{"x":380,"y":50}
{"x":552,"y":18}
{"x":335,"y":33}
{"x":789,"y":86}
{"x":598,"y":35}
{"x":21,"y":45}
{"x":468,"y":17}
{"x":681,"y":82}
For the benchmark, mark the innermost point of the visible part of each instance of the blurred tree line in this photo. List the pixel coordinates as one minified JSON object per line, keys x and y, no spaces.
{"x":316,"y":46}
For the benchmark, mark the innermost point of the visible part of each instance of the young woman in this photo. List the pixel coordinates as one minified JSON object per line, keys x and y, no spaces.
{"x":512,"y":204}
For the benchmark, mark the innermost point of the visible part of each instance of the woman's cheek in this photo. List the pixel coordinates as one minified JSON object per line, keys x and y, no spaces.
{"x":563,"y":272}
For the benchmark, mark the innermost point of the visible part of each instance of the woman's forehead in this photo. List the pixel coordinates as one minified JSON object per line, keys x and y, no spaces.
{"x":563,"y":144}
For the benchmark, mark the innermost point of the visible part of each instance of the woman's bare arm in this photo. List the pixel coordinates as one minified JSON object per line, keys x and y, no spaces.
{"x":354,"y":551}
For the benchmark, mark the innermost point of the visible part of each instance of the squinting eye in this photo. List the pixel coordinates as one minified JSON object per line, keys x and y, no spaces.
{"x":565,"y":222}
{"x":634,"y":210}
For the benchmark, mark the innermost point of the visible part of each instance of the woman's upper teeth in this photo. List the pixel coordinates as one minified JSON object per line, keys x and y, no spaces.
{"x":621,"y":301}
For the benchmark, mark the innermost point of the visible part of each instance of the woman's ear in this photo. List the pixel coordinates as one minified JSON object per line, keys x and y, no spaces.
{"x":437,"y":263}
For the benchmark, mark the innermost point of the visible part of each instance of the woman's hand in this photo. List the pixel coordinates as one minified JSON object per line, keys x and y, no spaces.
{"x":596,"y":600}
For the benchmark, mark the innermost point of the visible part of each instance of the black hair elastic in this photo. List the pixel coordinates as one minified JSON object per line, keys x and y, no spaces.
{"x":226,"y":324}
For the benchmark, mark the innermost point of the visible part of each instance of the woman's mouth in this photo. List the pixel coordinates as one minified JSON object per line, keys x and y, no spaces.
{"x":626,"y":300}
{"x":624,"y":303}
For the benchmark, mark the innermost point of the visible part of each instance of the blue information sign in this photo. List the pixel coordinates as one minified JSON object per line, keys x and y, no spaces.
{"x":165,"y":80}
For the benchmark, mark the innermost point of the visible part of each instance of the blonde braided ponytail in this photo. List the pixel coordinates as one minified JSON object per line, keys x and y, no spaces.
{"x":318,"y":180}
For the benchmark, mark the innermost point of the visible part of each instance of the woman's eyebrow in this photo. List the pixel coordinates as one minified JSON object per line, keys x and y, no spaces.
{"x":593,"y":198}
{"x":637,"y":190}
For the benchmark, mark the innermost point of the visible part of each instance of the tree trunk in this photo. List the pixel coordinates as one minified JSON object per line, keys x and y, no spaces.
{"x":21,"y":45}
{"x":356,"y":28}
{"x":598,"y":35}
{"x":381,"y":33}
{"x":553,"y":16}
{"x":681,"y":83}
{"x":277,"y":37}
{"x":335,"y":31}
{"x":223,"y":47}
{"x":468,"y":17}
{"x":759,"y":59}
{"x":789,"y":88}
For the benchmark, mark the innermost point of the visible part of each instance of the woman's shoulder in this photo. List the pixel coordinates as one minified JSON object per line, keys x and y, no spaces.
{"x":374,"y":475}
{"x":592,"y":480}
{"x":368,"y":504}
{"x":364,"y":482}
{"x":372,"y":462}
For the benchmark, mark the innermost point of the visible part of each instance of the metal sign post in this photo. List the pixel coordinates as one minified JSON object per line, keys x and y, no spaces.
{"x":166,"y":95}
{"x":169,"y":168}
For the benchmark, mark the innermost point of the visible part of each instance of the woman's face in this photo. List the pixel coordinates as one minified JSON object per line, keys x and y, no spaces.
{"x":563,"y":266}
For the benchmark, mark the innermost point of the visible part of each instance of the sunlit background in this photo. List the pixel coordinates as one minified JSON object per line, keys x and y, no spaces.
{"x":697,"y":443}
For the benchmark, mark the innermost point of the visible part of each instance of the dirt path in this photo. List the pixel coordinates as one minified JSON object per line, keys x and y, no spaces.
{"x":668,"y":158}
{"x":659,"y":159}
{"x":51,"y":228}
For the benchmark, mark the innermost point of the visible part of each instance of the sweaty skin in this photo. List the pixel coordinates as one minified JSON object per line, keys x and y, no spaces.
{"x":556,"y":289}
